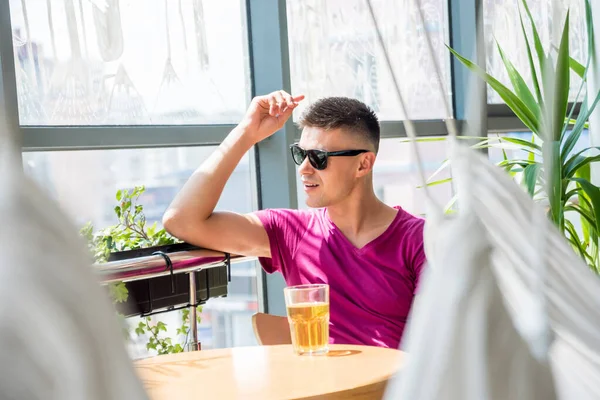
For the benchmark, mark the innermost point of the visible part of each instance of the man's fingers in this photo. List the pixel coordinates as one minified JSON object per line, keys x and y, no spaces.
{"x":280,"y":100}
{"x":291,"y":100}
{"x":288,"y":99}
{"x":298,"y":98}
{"x":273,"y":108}
{"x":292,"y":103}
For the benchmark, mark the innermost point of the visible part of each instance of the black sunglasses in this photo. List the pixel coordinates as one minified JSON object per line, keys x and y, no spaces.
{"x":318,"y":158}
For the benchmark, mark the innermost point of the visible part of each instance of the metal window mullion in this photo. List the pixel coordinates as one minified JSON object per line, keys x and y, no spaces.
{"x":395,"y":129}
{"x":267,"y":25}
{"x":502,"y":119}
{"x":37,"y":138}
{"x":469,"y":92}
{"x":9,"y":109}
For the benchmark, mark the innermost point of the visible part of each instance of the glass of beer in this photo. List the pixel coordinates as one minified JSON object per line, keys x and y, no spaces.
{"x":308,"y":315}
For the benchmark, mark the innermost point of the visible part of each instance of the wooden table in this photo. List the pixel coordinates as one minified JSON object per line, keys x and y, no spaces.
{"x":270,"y":372}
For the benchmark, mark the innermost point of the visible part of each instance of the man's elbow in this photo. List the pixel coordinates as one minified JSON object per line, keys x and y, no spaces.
{"x":184,"y":227}
{"x":172,"y":222}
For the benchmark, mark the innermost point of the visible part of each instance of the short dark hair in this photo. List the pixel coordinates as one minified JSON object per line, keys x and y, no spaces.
{"x":343,"y":112}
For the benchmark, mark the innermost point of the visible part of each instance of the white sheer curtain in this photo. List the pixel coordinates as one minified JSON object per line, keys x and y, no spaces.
{"x":506,"y":309}
{"x":59,"y":337}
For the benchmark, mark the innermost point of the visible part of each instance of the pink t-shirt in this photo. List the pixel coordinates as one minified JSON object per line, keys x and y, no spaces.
{"x":370,"y":289}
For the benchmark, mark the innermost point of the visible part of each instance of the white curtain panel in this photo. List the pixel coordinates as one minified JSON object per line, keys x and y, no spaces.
{"x":59,"y":335}
{"x":496,"y":318}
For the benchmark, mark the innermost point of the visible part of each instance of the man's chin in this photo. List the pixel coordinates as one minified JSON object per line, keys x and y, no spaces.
{"x":312,"y":203}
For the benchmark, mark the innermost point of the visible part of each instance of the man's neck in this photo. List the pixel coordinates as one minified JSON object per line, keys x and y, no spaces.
{"x":360,"y":213}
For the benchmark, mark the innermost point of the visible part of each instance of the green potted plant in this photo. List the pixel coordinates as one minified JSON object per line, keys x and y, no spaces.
{"x":131,"y":233}
{"x":550,"y":161}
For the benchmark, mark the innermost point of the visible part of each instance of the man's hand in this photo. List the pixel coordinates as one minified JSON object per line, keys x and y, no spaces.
{"x":267,"y":114}
{"x":191,"y":216}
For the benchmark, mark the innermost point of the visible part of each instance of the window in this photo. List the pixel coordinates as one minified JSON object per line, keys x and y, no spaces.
{"x":334,"y":51}
{"x":395,"y":175}
{"x":131,"y":62}
{"x":84,"y":183}
{"x":501,"y":23}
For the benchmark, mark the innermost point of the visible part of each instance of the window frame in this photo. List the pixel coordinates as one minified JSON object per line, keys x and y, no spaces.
{"x":269,"y":70}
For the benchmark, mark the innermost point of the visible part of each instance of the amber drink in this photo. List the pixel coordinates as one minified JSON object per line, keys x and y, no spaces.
{"x":308,"y":315}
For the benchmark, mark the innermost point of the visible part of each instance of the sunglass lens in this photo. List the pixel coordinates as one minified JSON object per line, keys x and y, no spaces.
{"x":318,"y":159}
{"x":298,"y":154}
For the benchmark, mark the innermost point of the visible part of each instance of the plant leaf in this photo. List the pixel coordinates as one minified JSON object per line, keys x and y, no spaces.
{"x":512,"y":146}
{"x":448,"y":207}
{"x":570,"y":139}
{"x":530,"y":177}
{"x":435,"y":183}
{"x":588,"y":225}
{"x":580,"y":162}
{"x":574,"y":121}
{"x":580,"y":69}
{"x":593,"y":193}
{"x":440,"y":169}
{"x":531,"y":156}
{"x":518,"y":83}
{"x":582,"y":118}
{"x":512,"y":100}
{"x":586,"y":216}
{"x":574,"y":163}
{"x":553,"y":169}
{"x":534,"y":76}
{"x":576,"y":67}
{"x":524,"y":143}
{"x":585,"y":172}
{"x":574,"y":239}
{"x":513,"y":163}
{"x":561,"y":85}
{"x":570,"y":194}
{"x":504,"y":155}
{"x":536,"y":39}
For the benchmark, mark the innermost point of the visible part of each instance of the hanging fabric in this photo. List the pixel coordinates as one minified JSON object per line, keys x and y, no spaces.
{"x":59,"y":335}
{"x":498,"y":315}
{"x":200,"y":29}
{"x":461,"y":340}
{"x":109,"y":31}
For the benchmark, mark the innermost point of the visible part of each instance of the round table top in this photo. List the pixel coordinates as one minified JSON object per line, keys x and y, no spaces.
{"x":270,"y":372}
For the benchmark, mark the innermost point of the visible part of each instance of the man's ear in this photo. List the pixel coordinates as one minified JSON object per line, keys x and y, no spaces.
{"x":367,"y":160}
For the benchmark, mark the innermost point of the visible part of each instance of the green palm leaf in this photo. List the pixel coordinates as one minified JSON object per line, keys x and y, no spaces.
{"x":512,"y":100}
{"x":519,"y":85}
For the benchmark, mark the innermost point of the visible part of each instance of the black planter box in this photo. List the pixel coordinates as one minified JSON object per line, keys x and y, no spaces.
{"x":148,"y":296}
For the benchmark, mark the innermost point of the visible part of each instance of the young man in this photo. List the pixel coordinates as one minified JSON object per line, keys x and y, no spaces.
{"x":370,"y":254}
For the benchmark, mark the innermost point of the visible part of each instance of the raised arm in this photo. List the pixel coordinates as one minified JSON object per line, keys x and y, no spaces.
{"x":191,"y":216}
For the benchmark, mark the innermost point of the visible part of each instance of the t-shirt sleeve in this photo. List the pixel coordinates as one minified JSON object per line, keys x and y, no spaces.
{"x":417,"y":255}
{"x":285,"y":228}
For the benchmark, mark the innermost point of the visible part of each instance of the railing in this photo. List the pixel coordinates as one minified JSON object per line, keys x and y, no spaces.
{"x":157,"y":265}
{"x":164,"y":264}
